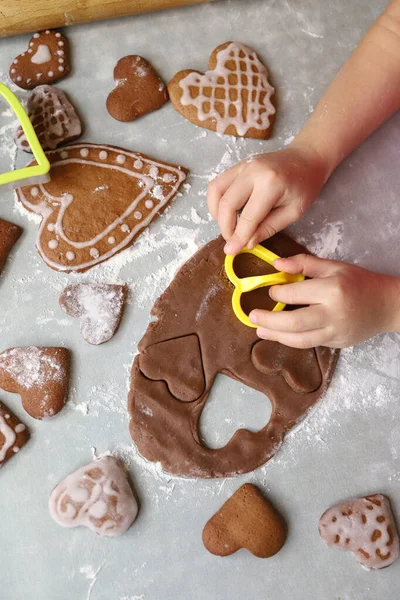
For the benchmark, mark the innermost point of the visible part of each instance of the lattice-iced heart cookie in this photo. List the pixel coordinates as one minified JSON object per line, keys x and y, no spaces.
{"x":232,"y":97}
{"x":39,"y":375}
{"x":53,"y":118}
{"x":13,"y":434}
{"x":97,"y":496}
{"x":138,"y":91}
{"x":9,"y":234}
{"x":366,"y":527}
{"x":98,"y":306}
{"x":45,"y":60}
{"x":98,"y":201}
{"x":246,"y":520}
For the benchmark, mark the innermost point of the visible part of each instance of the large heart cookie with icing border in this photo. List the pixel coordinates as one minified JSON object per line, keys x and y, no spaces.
{"x":233,"y":97}
{"x":97,"y":202}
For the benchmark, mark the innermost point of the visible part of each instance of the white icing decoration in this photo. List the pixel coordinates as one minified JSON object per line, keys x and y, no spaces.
{"x":19,"y":428}
{"x":51,"y":227}
{"x":15,"y":61}
{"x":158,"y":192}
{"x":84,"y":152}
{"x":47,"y":31}
{"x":103,"y":154}
{"x":137,"y":214}
{"x":50,"y":74}
{"x":15,"y":449}
{"x":42,"y":55}
{"x":61,"y":60}
{"x":50,"y":204}
{"x":149,"y":204}
{"x":9,"y":438}
{"x":153,"y":172}
{"x":60,"y":43}
{"x":108,"y":506}
{"x":94,"y":252}
{"x":35,"y":35}
{"x":111,"y":240}
{"x":168,"y":178}
{"x":256,"y":83}
{"x":13,"y":71}
{"x":61,"y":68}
{"x":138,"y":164}
{"x":148,"y":182}
{"x":60,"y":52}
{"x":7,"y":416}
{"x":34,"y":192}
{"x":121,"y":159}
{"x":19,"y":78}
{"x":53,"y":244}
{"x":58,"y":34}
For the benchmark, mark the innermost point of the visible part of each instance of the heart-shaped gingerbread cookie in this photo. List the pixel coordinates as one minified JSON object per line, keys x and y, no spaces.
{"x":139,"y":90}
{"x":46,"y":60}
{"x":53,"y":117}
{"x":99,"y":199}
{"x":9,"y":234}
{"x":39,"y":375}
{"x":97,"y":496}
{"x":364,"y":526}
{"x":98,"y":306}
{"x":233,"y":97}
{"x":246,"y":520}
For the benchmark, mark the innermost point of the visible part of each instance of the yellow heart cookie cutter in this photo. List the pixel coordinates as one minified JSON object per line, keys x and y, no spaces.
{"x":248,"y":284}
{"x":35,"y":173}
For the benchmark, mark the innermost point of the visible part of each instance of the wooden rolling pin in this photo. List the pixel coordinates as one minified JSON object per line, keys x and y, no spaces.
{"x":25,"y":16}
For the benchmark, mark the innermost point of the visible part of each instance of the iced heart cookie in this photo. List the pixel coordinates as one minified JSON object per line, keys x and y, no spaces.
{"x":45,"y":60}
{"x":98,"y":201}
{"x":246,"y":520}
{"x":97,"y":496}
{"x":98,"y":306}
{"x":138,"y":91}
{"x":9,"y":234}
{"x":39,"y":375}
{"x":13,"y":434}
{"x":366,"y":527}
{"x":53,"y":118}
{"x":232,"y":97}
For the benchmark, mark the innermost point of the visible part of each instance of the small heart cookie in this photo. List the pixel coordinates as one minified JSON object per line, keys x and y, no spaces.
{"x":366,"y":527}
{"x":98,"y":306}
{"x":139,"y":90}
{"x":246,"y":520}
{"x":46,"y":60}
{"x":13,"y":434}
{"x":9,"y":234}
{"x":39,"y":375}
{"x":233,"y":97}
{"x":97,"y":496}
{"x":53,"y":117}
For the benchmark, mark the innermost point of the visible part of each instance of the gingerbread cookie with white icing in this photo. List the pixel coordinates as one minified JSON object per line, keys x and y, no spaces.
{"x":98,"y":307}
{"x":46,"y":60}
{"x":97,"y":496}
{"x":40,"y":375}
{"x":53,"y":117}
{"x":138,"y":89}
{"x":99,"y":199}
{"x":13,"y":434}
{"x":233,"y":97}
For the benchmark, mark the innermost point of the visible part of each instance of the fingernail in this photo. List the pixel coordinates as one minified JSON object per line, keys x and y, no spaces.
{"x":229,"y":248}
{"x":262,"y":334}
{"x":253,"y":318}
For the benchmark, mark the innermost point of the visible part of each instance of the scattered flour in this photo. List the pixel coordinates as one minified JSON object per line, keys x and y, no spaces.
{"x":325,"y":243}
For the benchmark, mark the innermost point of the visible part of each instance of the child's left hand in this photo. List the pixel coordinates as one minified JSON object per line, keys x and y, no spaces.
{"x":347,"y":305}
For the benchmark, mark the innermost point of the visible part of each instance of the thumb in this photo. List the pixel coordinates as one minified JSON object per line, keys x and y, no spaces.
{"x":308,"y":265}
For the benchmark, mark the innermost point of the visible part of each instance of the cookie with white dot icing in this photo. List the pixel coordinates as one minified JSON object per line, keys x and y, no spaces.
{"x":98,"y":307}
{"x":233,"y":97}
{"x":13,"y":434}
{"x":44,"y":61}
{"x":98,"y":200}
{"x":53,"y":117}
{"x":97,"y":496}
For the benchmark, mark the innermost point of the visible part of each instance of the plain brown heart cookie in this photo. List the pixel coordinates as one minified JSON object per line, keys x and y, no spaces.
{"x":9,"y":234}
{"x":364,"y":526}
{"x":233,"y":97}
{"x":13,"y":434}
{"x":53,"y":117}
{"x":46,"y":60}
{"x":246,"y":520}
{"x":139,"y":90}
{"x":39,"y":375}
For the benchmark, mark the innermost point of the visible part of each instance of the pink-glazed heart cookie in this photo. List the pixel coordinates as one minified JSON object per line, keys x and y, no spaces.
{"x":46,"y":60}
{"x":13,"y":434}
{"x":364,"y":526}
{"x":39,"y":375}
{"x":98,"y":306}
{"x":53,"y":117}
{"x":99,"y":199}
{"x":97,"y":496}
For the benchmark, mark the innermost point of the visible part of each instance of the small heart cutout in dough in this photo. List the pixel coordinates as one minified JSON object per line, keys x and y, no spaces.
{"x":233,"y":97}
{"x":138,"y":89}
{"x":98,"y":306}
{"x":39,"y":375}
{"x":46,"y":60}
{"x":246,"y":520}
{"x":364,"y":526}
{"x":97,"y":496}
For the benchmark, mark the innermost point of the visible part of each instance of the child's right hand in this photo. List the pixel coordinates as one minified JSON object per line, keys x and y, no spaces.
{"x":273,"y":190}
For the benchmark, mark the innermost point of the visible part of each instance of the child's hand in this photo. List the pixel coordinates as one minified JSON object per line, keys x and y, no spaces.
{"x":348,"y":305}
{"x":274,"y":190}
